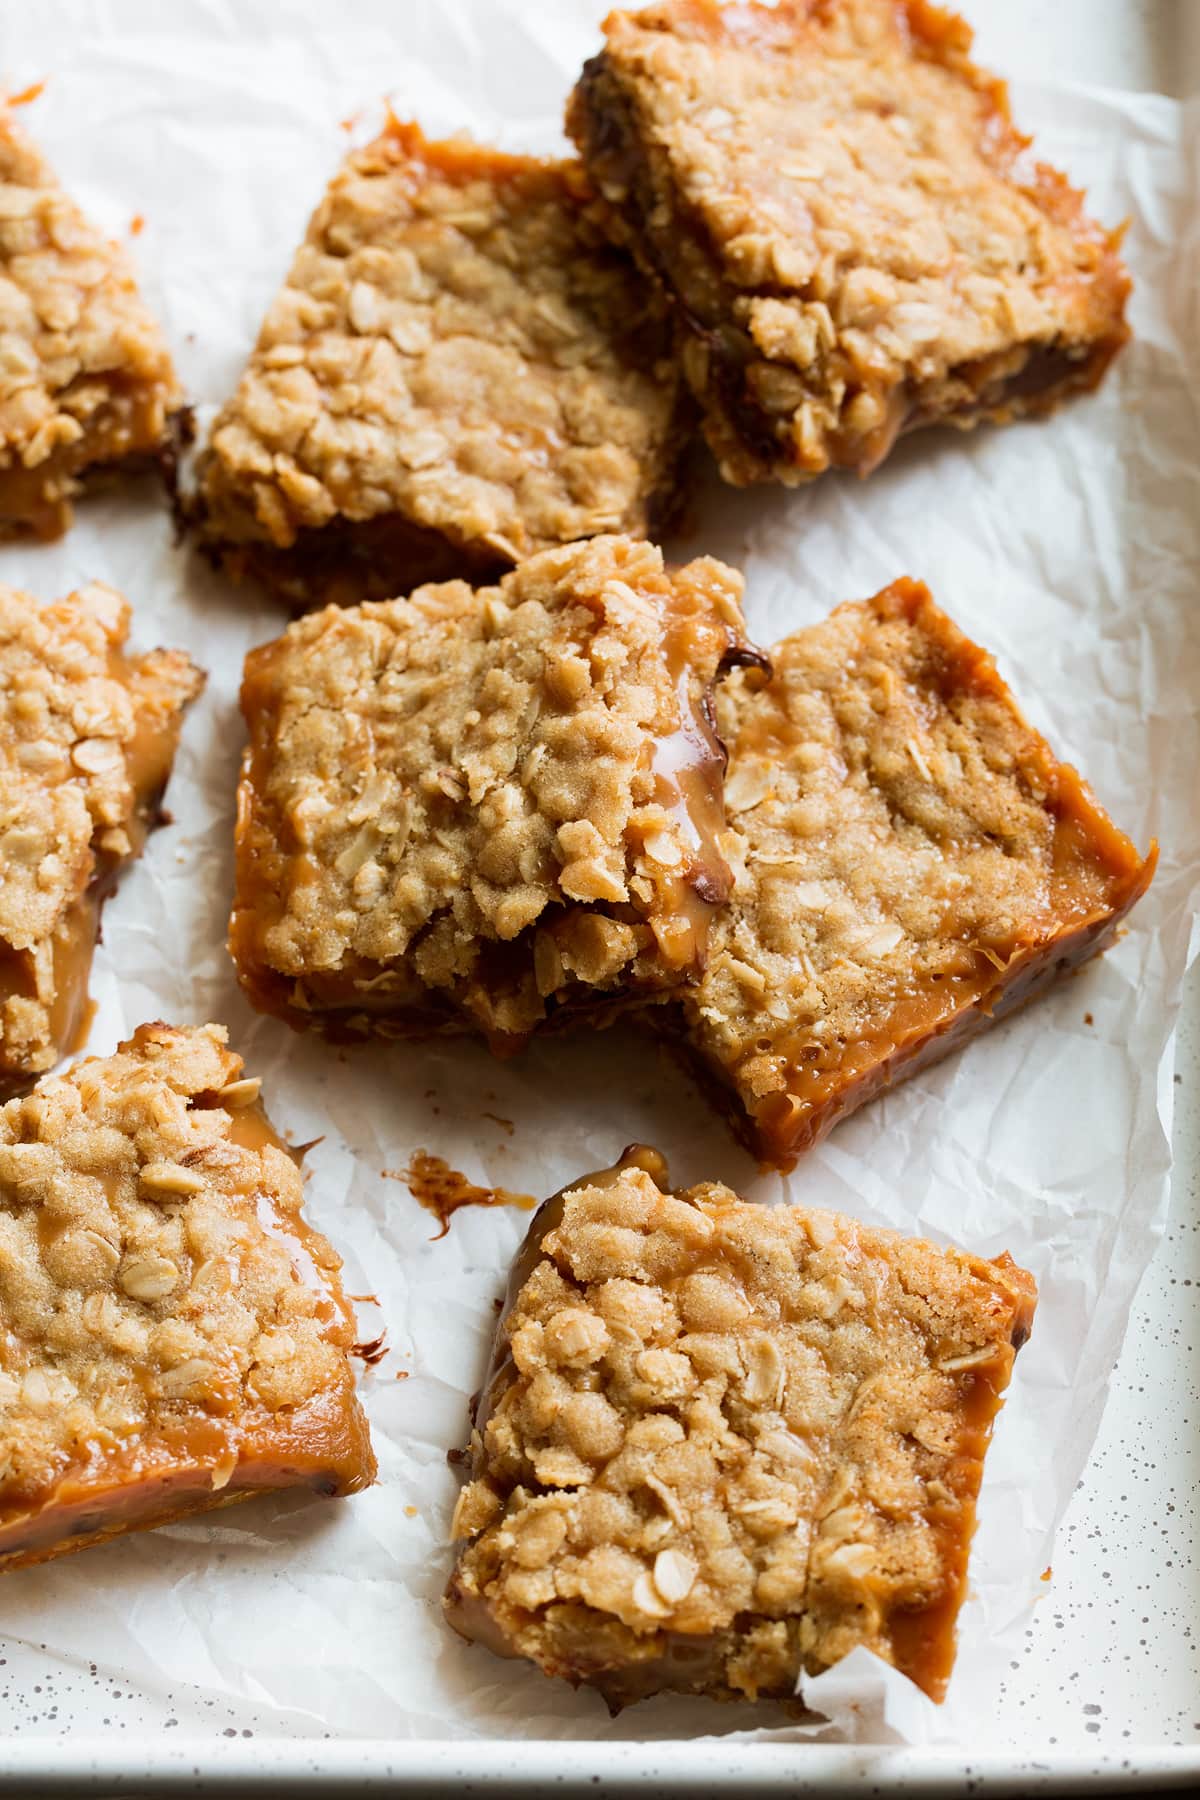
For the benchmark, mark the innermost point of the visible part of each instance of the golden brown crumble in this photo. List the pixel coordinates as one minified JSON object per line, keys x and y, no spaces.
{"x":87,"y":738}
{"x":173,"y":1334}
{"x":722,"y":1444}
{"x":459,"y":371}
{"x":483,"y":807}
{"x":910,"y":860}
{"x":85,"y":376}
{"x":857,"y":236}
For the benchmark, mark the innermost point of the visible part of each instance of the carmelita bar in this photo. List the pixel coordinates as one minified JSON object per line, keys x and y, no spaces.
{"x":911,"y":862}
{"x":720,"y":1444}
{"x":852,"y":229}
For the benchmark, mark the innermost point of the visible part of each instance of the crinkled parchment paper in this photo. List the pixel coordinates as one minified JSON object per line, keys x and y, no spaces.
{"x":1068,"y":548}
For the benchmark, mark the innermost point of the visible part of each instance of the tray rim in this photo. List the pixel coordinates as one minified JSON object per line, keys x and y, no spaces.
{"x":81,"y":1765}
{"x":145,"y":1764}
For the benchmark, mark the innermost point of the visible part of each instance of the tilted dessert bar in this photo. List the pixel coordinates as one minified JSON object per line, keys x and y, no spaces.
{"x":911,"y":863}
{"x":86,"y":381}
{"x":857,"y":238}
{"x":490,"y":809}
{"x":173,"y":1335}
{"x":720,"y":1444}
{"x":458,"y":372}
{"x":87,"y":739}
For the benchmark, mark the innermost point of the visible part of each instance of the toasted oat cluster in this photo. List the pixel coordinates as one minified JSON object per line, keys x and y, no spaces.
{"x":911,"y":862}
{"x":173,"y":1335}
{"x":721,"y":1444}
{"x":855,"y":234}
{"x":87,"y":738}
{"x":85,"y":377}
{"x":458,"y":372}
{"x":491,"y":808}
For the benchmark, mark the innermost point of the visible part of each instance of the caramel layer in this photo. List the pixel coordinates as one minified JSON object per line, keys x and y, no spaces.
{"x":126,"y":432}
{"x":353,"y":560}
{"x":72,"y":948}
{"x":324,"y":1445}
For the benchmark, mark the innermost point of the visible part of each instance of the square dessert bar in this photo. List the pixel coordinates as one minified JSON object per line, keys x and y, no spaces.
{"x":720,"y":1445}
{"x":458,"y":372}
{"x":86,"y":381}
{"x":490,"y":809}
{"x":857,"y":237}
{"x":87,"y":738}
{"x":173,"y":1335}
{"x":911,"y":863}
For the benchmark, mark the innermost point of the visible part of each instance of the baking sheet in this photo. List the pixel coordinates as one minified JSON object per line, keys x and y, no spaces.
{"x":1069,"y":549}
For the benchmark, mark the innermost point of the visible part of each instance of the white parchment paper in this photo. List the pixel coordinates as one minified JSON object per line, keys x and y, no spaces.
{"x":1068,"y":548}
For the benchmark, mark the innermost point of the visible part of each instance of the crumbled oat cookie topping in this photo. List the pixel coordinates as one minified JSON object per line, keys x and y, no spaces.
{"x":156,"y":1276}
{"x":87,"y":736}
{"x":901,"y":842}
{"x":85,"y":376}
{"x":456,"y":343}
{"x":858,"y":235}
{"x":495,"y":800}
{"x":722,"y":1444}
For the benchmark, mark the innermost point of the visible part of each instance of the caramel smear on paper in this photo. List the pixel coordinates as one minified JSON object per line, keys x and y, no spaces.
{"x":442,"y":1190}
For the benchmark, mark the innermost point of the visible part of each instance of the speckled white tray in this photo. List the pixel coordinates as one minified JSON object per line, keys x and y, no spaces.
{"x":1106,"y":1692}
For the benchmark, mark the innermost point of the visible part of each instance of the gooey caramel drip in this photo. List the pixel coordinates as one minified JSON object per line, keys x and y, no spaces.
{"x":442,"y":1190}
{"x":688,"y":765}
